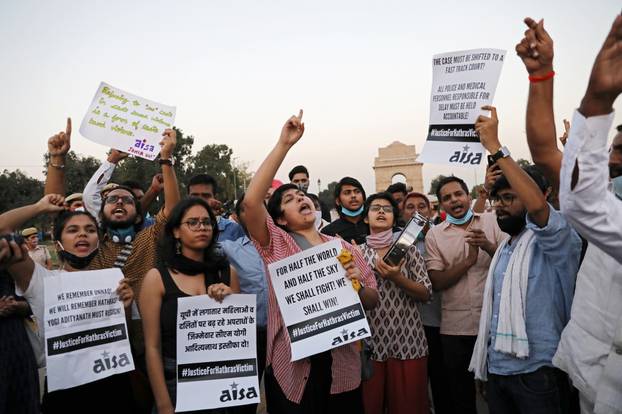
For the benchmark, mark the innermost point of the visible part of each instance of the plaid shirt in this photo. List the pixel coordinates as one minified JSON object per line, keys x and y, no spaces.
{"x":292,"y":376}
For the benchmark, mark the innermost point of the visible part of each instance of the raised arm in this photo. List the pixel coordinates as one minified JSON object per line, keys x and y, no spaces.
{"x":157,"y":184}
{"x":58,"y":147}
{"x":595,"y":212}
{"x":21,"y":270}
{"x":526,"y":189}
{"x":171,"y":189}
{"x":14,"y":219}
{"x":91,"y":195}
{"x":254,"y":199}
{"x":536,"y":51}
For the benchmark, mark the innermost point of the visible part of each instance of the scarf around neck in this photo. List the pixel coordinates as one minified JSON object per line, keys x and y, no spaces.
{"x":381,"y":239}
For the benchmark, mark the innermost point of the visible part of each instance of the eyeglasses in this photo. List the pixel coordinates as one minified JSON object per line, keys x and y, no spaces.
{"x":114,"y":199}
{"x":505,"y":199}
{"x":195,"y":224}
{"x":376,"y":208}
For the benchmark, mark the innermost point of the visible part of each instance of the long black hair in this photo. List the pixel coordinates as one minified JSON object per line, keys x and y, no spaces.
{"x":168,"y":244}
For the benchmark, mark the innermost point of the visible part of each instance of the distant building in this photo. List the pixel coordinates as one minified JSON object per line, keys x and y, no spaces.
{"x":397,"y":162}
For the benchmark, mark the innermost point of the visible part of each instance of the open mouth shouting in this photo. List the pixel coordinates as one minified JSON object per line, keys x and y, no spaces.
{"x":457,"y":210}
{"x":82,"y":246}
{"x":306,"y":209}
{"x":119,"y":212}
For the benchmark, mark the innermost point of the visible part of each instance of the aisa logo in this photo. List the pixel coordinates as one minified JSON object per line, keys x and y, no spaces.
{"x":466,"y":157}
{"x":107,"y":362}
{"x":347,"y":336}
{"x":238,"y":393}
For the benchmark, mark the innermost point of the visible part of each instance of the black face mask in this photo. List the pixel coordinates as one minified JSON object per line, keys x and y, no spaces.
{"x":512,"y":225}
{"x":77,"y":262}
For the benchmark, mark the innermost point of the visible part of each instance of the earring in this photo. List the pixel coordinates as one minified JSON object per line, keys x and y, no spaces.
{"x":177,"y":246}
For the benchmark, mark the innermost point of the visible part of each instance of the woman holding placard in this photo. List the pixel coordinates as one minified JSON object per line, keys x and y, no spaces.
{"x":190,"y":267}
{"x":399,"y":383}
{"x":325,"y":382}
{"x":77,"y":239}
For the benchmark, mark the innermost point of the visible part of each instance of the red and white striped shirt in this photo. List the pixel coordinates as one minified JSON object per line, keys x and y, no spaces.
{"x":292,"y":376}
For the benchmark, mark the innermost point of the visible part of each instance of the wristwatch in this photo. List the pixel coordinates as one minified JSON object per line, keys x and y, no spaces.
{"x":167,"y":161}
{"x":502,"y":153}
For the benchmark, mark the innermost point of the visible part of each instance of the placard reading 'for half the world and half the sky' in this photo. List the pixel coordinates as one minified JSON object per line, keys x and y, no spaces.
{"x":126,"y":122}
{"x":319,"y":306}
{"x":462,"y":83}
{"x":85,"y":331}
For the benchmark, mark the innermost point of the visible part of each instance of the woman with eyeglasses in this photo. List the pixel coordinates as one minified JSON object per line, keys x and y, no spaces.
{"x":399,"y":383}
{"x":190,"y":267}
{"x":77,"y":239}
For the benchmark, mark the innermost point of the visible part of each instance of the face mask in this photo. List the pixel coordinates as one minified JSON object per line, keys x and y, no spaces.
{"x":318,"y":219}
{"x":451,"y":219}
{"x":617,"y":186}
{"x":122,"y":235}
{"x":351,"y":213}
{"x":80,"y":209}
{"x":303,"y":187}
{"x":74,"y":261}
{"x":512,"y":225}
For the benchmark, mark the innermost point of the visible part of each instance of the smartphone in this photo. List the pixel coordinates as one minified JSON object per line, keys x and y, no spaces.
{"x":491,"y":160}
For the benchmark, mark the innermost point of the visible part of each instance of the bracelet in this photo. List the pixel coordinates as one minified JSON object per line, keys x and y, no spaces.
{"x":535,"y":79}
{"x":59,"y":166}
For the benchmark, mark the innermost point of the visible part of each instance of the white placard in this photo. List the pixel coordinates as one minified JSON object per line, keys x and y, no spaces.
{"x":85,"y":332}
{"x":126,"y":122}
{"x":216,"y":352}
{"x":462,"y":83}
{"x":319,"y":306}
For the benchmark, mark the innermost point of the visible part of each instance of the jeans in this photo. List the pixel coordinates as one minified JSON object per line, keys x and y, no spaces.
{"x":544,"y":391}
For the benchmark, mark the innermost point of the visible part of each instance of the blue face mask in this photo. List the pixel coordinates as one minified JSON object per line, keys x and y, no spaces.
{"x":351,"y":213}
{"x":460,"y":221}
{"x":617,"y":186}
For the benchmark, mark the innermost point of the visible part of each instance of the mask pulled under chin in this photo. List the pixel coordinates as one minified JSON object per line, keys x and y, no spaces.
{"x":74,"y":261}
{"x":351,"y":213}
{"x":318,"y":219}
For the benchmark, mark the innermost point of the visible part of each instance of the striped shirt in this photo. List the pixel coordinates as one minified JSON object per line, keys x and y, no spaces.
{"x":292,"y":376}
{"x":140,"y":258}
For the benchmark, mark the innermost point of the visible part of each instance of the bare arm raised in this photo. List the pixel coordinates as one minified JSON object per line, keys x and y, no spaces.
{"x":254,"y":199}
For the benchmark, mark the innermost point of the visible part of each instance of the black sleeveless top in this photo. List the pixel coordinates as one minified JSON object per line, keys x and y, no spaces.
{"x":168,"y":310}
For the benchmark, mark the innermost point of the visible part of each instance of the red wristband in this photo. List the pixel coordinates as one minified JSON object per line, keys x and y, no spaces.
{"x":534,"y":79}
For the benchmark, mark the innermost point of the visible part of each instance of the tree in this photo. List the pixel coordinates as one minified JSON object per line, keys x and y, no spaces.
{"x":78,"y":171}
{"x":17,"y":190}
{"x":327,"y":196}
{"x":216,"y":160}
{"x":435,"y":182}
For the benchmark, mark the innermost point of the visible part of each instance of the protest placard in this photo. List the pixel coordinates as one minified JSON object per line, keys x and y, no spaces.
{"x":462,"y":83}
{"x":216,"y":352}
{"x":319,"y":306}
{"x":85,"y":332}
{"x":126,"y":122}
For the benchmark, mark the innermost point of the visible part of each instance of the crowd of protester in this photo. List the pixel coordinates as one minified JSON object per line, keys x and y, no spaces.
{"x":513,"y":299}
